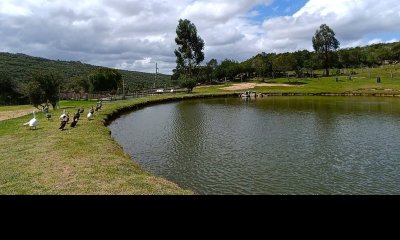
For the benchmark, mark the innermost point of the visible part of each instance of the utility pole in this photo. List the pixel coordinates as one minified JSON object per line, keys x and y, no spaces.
{"x":155,"y":78}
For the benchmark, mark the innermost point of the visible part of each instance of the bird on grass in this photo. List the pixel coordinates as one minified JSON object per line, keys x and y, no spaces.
{"x":90,"y":114}
{"x":63,"y":115}
{"x":48,"y":116}
{"x":64,"y":120}
{"x":46,"y":111}
{"x":77,"y":115}
{"x":73,"y":123}
{"x":99,"y":105}
{"x":33,"y":122}
{"x":62,"y":125}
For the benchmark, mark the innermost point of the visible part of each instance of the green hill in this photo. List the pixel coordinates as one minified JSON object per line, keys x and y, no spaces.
{"x":20,"y":68}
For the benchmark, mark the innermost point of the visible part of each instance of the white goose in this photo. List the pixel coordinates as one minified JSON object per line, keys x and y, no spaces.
{"x":64,"y":115}
{"x":90,"y":114}
{"x":33,"y":122}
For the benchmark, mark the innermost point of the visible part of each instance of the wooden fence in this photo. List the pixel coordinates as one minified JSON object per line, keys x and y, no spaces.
{"x":108,"y":96}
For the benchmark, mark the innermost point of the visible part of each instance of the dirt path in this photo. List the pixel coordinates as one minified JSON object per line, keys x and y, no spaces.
{"x":4,"y":115}
{"x":244,"y":86}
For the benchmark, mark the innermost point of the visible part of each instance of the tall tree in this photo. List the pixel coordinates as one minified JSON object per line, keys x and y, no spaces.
{"x":50,"y":84}
{"x":34,"y":92}
{"x":190,"y":48}
{"x":105,"y":79}
{"x":284,"y":63}
{"x":228,"y":69}
{"x":324,"y":43}
{"x":211,"y":67}
{"x":43,"y":88}
{"x":260,"y":64}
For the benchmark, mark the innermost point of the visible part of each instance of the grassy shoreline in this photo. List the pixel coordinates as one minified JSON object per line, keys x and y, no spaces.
{"x":86,"y":160}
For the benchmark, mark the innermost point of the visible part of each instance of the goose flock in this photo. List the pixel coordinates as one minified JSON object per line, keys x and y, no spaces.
{"x":64,"y":118}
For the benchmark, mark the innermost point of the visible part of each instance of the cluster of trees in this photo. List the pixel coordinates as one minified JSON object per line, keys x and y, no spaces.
{"x":369,"y":56}
{"x":99,"y":80}
{"x":9,"y":91}
{"x":45,"y":88}
{"x":271,"y":65}
{"x":42,"y":89}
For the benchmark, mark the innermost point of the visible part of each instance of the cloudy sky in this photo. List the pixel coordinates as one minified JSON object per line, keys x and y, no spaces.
{"x":134,"y":34}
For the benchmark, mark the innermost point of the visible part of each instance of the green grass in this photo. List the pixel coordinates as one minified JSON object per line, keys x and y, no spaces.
{"x":84,"y":160}
{"x":363,"y":82}
{"x":329,"y":85}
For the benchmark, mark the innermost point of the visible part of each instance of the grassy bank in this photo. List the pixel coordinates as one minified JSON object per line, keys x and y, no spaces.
{"x":315,"y":86}
{"x":363,"y":82}
{"x":84,"y":160}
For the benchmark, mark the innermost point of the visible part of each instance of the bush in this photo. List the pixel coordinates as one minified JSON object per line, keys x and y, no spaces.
{"x":189,"y":84}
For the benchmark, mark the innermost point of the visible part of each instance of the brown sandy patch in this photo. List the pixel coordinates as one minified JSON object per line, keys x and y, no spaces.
{"x":241,"y":86}
{"x":4,"y":115}
{"x":244,"y":86}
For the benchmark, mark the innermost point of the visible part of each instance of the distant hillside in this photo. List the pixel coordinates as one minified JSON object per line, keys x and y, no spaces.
{"x":20,"y":67}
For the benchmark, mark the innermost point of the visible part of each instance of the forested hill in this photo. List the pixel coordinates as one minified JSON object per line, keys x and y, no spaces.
{"x":21,"y":67}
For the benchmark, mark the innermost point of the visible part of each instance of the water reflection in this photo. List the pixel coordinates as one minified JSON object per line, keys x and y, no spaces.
{"x":273,"y":145}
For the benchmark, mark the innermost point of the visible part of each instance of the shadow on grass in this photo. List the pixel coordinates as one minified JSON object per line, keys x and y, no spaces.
{"x":34,"y":129}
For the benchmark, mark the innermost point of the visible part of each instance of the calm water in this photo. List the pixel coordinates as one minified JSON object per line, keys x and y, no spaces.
{"x":276,"y":145}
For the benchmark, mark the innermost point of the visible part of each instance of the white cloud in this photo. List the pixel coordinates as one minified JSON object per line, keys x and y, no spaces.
{"x":134,"y":34}
{"x":352,"y":20}
{"x":219,"y":11}
{"x":7,"y":8}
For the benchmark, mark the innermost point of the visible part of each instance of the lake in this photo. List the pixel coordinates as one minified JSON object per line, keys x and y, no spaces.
{"x":269,"y":146}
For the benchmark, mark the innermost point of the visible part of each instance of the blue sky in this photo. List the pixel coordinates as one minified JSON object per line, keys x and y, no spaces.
{"x":278,"y":8}
{"x":136,"y":34}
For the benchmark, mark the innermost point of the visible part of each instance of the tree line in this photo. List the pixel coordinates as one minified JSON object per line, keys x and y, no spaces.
{"x":302,"y":63}
{"x":44,"y":88}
